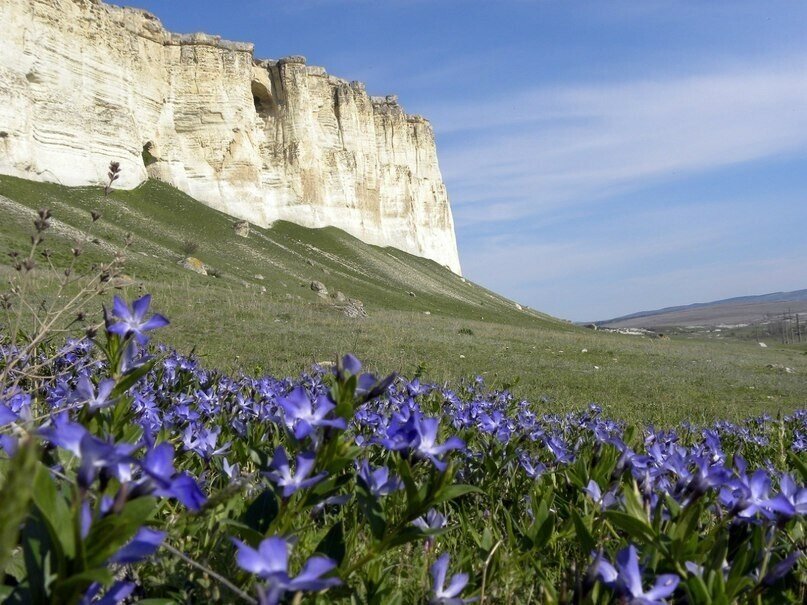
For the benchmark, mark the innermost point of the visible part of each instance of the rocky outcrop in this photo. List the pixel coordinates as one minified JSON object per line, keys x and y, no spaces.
{"x":83,"y":83}
{"x":241,"y":228}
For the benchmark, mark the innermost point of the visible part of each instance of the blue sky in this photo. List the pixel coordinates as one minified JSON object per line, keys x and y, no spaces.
{"x":601,"y":157}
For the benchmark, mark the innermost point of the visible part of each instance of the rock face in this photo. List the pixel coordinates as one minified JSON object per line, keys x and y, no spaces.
{"x":83,"y":83}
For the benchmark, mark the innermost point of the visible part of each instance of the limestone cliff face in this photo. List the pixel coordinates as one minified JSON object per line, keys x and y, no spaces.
{"x":83,"y":83}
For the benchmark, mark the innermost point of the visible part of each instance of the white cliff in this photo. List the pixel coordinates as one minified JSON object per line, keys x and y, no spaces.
{"x":83,"y":83}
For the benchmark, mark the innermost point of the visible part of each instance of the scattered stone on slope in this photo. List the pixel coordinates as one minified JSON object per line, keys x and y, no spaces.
{"x":194,"y":264}
{"x":339,"y":297}
{"x":319,"y":288}
{"x":122,"y":281}
{"x":354,"y":309}
{"x":241,"y":228}
{"x":258,"y":276}
{"x":412,"y":294}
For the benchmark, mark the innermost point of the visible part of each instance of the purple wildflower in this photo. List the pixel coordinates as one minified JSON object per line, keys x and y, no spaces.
{"x":85,"y":393}
{"x":144,"y":544}
{"x":378,"y":481}
{"x":425,"y":445}
{"x":116,"y":593}
{"x":133,"y":321}
{"x":594,"y":492}
{"x":282,"y":476}
{"x":447,"y":595}
{"x":7,"y":416}
{"x":162,"y":480}
{"x":626,"y":579}
{"x":303,"y":418}
{"x":270,"y":562}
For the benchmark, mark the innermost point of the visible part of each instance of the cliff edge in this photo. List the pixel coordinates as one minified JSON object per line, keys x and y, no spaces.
{"x":83,"y":83}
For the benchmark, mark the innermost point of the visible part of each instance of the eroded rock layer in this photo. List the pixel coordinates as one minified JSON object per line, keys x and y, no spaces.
{"x":83,"y":83}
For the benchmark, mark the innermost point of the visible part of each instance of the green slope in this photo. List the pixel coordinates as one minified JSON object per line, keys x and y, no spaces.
{"x":468,"y":330}
{"x":289,"y":257}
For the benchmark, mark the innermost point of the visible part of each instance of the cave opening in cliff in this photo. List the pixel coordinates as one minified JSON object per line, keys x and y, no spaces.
{"x":148,"y":157}
{"x":265,"y":105}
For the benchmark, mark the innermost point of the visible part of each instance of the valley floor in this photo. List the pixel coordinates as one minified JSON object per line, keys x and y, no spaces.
{"x":261,"y":315}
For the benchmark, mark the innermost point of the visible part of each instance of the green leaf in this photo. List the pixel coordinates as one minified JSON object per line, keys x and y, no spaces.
{"x":635,"y":528}
{"x":684,"y":533}
{"x":109,"y":534}
{"x":79,"y":583}
{"x":698,"y":593}
{"x":39,"y":551}
{"x":405,"y":535}
{"x":262,"y":511}
{"x":15,"y":497}
{"x":15,"y":566}
{"x":128,"y":381}
{"x":333,"y":544}
{"x":541,"y":532}
{"x":633,"y":502}
{"x":451,"y":492}
{"x":412,"y":493}
{"x":55,"y":511}
{"x":800,"y":462}
{"x":372,"y":510}
{"x":587,"y":541}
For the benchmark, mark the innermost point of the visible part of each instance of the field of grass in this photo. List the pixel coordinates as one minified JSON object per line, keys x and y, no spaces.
{"x":260,"y":314}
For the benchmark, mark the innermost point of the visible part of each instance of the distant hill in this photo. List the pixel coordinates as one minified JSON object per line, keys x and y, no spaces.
{"x":741,"y":310}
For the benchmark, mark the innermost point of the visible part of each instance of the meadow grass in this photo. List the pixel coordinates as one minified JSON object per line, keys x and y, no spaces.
{"x":261,"y":315}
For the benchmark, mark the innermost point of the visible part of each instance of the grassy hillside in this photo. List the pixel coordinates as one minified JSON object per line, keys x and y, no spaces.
{"x":260,"y":313}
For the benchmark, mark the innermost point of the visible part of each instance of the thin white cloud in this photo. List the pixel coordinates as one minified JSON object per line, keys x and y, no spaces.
{"x":528,"y":153}
{"x":639,"y":260}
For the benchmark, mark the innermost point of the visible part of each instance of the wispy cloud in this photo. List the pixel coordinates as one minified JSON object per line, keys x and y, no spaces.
{"x":644,"y":258}
{"x":528,"y":153}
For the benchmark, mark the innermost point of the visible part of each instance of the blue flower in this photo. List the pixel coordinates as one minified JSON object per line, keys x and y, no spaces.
{"x":64,"y":433}
{"x":202,"y":441}
{"x":378,"y":481}
{"x":7,"y":416}
{"x":282,"y":476}
{"x":162,"y":480}
{"x":626,"y":579}
{"x":116,"y":593}
{"x":426,"y":442}
{"x":133,"y":321}
{"x":595,"y":493}
{"x":132,"y":359}
{"x":302,"y":417}
{"x":795,"y":495}
{"x":782,"y":568}
{"x":97,"y":456}
{"x":750,"y":496}
{"x":9,"y":444}
{"x":431,"y":522}
{"x":447,"y":595}
{"x":270,"y":562}
{"x":144,"y":544}
{"x":85,"y":393}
